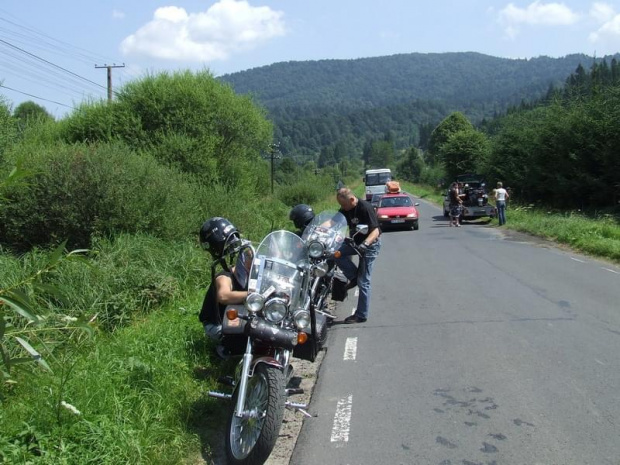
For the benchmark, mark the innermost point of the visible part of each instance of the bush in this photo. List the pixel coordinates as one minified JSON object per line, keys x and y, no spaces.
{"x":82,"y":191}
{"x":190,"y":121}
{"x":309,"y":190}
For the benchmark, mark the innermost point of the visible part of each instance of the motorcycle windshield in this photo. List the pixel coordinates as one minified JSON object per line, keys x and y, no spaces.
{"x":329,"y":227}
{"x":277,"y":267}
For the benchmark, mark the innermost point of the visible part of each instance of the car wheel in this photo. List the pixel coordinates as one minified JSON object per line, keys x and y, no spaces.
{"x":416,"y":226}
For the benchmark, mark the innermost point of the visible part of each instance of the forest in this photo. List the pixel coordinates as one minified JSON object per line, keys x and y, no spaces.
{"x":544,"y":126}
{"x":315,"y":104}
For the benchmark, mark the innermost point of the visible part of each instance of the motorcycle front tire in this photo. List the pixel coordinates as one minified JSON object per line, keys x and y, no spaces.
{"x":249,"y":441}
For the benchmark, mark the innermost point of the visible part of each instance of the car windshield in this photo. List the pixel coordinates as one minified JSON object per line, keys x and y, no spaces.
{"x":377,"y":179}
{"x":396,"y":202}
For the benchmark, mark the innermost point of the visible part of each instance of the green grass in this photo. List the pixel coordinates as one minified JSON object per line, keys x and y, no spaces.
{"x":140,"y":384}
{"x":595,"y":234}
{"x":141,"y":393}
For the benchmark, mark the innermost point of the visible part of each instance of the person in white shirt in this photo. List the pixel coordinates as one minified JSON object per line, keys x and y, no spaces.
{"x":500,"y":203}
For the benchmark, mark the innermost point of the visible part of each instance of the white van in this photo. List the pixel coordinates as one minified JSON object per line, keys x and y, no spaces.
{"x":375,"y":180}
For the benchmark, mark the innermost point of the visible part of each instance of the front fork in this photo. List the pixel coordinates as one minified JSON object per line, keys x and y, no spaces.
{"x":245,"y":376}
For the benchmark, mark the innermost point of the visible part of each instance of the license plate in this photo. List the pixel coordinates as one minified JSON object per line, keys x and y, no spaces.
{"x":397,"y":221}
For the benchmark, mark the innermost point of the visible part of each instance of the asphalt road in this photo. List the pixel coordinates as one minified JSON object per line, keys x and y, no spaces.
{"x":481,"y":348}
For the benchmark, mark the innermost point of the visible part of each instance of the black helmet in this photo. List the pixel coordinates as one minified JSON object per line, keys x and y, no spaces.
{"x":301,"y":215}
{"x":219,"y":236}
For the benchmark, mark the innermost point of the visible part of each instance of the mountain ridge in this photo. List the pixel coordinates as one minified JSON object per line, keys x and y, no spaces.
{"x":298,"y":93}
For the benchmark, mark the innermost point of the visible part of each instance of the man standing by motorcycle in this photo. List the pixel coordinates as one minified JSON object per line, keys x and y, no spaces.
{"x":367,"y":246}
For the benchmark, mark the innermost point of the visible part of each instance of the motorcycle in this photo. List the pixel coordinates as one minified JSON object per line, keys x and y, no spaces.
{"x":274,"y":322}
{"x":324,"y":236}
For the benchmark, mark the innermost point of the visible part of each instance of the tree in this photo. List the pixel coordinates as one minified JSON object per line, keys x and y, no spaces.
{"x":381,"y":154}
{"x":453,"y":123}
{"x":187,"y":120}
{"x":29,"y":111}
{"x":8,"y":128}
{"x":411,"y":166}
{"x":463,"y":152}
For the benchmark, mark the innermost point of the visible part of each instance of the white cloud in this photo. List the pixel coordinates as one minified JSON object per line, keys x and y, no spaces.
{"x":602,"y":12}
{"x":536,"y":14}
{"x":608,"y":33}
{"x":118,"y":14}
{"x":227,"y":27}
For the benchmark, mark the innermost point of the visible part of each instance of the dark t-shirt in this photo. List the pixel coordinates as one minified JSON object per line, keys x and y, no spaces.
{"x":211,"y":311}
{"x":362,"y":213}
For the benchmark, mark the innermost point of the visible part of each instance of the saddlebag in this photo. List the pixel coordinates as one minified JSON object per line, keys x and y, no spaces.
{"x":339,"y":287}
{"x":234,"y":336}
{"x":310,"y":349}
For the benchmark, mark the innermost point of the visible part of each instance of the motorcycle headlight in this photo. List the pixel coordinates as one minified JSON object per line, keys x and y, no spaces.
{"x":254,"y":302}
{"x":302,"y":319}
{"x":315,"y":249}
{"x":275,"y":309}
{"x":320,"y":270}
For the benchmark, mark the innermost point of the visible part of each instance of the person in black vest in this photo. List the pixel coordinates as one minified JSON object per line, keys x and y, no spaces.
{"x":220,"y":238}
{"x":359,"y":211}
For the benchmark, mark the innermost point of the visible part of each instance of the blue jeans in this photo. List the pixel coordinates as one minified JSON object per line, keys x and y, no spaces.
{"x":362,"y":272}
{"x":501,"y":211}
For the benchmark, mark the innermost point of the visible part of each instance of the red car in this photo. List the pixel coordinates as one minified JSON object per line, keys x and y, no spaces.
{"x":398,"y":210}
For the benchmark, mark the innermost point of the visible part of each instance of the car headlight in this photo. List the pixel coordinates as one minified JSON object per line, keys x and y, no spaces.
{"x":254,"y":302}
{"x":302,"y":319}
{"x":383,"y":216}
{"x":275,"y":309}
{"x":320,"y":270}
{"x":412,"y":215}
{"x":315,"y":249}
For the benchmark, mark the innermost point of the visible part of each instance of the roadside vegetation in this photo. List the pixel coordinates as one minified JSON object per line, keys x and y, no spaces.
{"x":595,"y":233}
{"x":103,"y":357}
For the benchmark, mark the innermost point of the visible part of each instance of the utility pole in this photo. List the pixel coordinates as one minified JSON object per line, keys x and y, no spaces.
{"x":109,"y":68}
{"x":274,"y":154}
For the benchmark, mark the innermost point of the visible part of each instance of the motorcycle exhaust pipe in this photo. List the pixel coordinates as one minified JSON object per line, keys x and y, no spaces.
{"x":273,"y":335}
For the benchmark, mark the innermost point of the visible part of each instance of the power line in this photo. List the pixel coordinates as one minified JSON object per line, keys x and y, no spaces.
{"x":50,"y":63}
{"x":77,"y":51}
{"x":34,"y":96}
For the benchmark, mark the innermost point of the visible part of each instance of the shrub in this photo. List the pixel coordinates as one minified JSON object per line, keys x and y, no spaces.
{"x":81,"y":191}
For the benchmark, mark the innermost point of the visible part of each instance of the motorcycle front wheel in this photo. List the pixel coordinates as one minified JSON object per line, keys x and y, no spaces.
{"x":251,"y":438}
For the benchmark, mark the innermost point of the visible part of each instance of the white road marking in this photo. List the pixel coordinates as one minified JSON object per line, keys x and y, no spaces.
{"x":577,"y":260}
{"x":613,"y":271}
{"x":350,"y":348}
{"x":599,"y":362}
{"x":342,"y":420}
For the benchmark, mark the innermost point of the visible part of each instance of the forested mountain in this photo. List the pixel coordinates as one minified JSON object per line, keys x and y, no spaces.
{"x":321,"y":103}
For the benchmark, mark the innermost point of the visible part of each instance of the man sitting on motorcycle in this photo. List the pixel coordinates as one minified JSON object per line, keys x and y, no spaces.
{"x":221,"y":239}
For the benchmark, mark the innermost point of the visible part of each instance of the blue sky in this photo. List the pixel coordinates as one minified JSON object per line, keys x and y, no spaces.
{"x":50,"y":49}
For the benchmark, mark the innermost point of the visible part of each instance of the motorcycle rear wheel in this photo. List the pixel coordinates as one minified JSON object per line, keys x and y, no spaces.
{"x":251,"y":440}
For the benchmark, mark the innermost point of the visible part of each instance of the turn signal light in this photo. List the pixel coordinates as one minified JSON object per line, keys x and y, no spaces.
{"x":337,"y":254}
{"x":301,"y":337}
{"x":232,"y":314}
